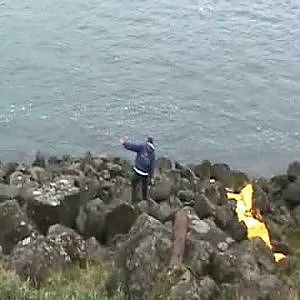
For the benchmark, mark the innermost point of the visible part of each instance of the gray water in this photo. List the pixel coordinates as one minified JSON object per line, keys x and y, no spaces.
{"x":214,"y":79}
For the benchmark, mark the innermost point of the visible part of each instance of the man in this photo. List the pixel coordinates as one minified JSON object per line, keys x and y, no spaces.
{"x":143,"y":167}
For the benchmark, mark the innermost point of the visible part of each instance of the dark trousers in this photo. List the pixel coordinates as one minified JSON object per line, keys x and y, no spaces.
{"x":136,"y":180}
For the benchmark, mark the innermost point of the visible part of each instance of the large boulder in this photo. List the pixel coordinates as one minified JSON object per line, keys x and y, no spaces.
{"x":57,"y":202}
{"x":164,"y":211}
{"x":227,"y":220}
{"x":235,"y":181}
{"x":220,"y":171}
{"x":215,"y":192}
{"x":188,"y":174}
{"x":163,"y":164}
{"x":40,"y":175}
{"x":8,"y":192}
{"x":261,"y":200}
{"x":142,"y":258}
{"x":179,"y":283}
{"x":18,"y":179}
{"x":95,"y":251}
{"x":73,"y":244}
{"x":264,"y":288}
{"x":91,"y":219}
{"x":14,"y":225}
{"x":7,"y":170}
{"x":105,"y":221}
{"x":37,"y":257}
{"x":198,"y":257}
{"x":293,"y":169}
{"x":119,"y":218}
{"x":203,"y":170}
{"x":161,"y":190}
{"x":204,"y":207}
{"x":292,"y":193}
{"x":245,"y":261}
{"x":277,"y":185}
{"x":205,"y":230}
{"x":107,"y":191}
{"x":186,"y":195}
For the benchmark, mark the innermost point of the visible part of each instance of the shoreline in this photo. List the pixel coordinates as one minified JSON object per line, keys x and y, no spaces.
{"x":61,"y":212}
{"x":266,"y":168}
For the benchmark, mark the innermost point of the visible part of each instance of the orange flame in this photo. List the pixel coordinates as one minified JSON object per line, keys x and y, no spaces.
{"x":253,"y":219}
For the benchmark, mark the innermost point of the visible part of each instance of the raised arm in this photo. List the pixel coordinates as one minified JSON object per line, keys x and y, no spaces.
{"x":131,"y":146}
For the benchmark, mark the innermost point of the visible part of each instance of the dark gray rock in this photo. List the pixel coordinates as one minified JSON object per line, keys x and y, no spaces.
{"x":115,"y":170}
{"x":277,"y":185}
{"x":186,"y":195}
{"x":163,"y":164}
{"x":161,"y":190}
{"x":54,"y":161}
{"x":227,"y":220}
{"x":220,"y":171}
{"x":188,"y":174}
{"x":175,"y":179}
{"x":203,"y":170}
{"x":292,"y":193}
{"x":39,"y":161}
{"x":186,"y":184}
{"x":204,"y":207}
{"x":105,"y":221}
{"x":95,"y":251}
{"x":235,"y":181}
{"x":293,"y":169}
{"x":107,"y":191}
{"x":215,"y":192}
{"x":261,"y":200}
{"x":119,"y":219}
{"x":14,"y":225}
{"x":91,"y":219}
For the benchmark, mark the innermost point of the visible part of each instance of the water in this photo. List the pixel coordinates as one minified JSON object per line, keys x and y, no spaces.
{"x":208,"y":79}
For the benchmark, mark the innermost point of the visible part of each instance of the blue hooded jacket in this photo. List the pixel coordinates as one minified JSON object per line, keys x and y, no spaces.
{"x":145,"y":157}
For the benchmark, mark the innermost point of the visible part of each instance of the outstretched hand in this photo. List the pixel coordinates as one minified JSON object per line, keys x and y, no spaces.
{"x":122,"y":141}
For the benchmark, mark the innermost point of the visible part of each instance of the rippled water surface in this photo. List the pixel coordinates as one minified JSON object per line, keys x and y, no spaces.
{"x":208,"y":79}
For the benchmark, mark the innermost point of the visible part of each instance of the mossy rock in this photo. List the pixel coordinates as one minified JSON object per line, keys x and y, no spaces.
{"x":235,"y":181}
{"x":162,"y":289}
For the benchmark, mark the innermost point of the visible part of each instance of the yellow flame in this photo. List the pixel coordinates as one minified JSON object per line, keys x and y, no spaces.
{"x":255,"y":227}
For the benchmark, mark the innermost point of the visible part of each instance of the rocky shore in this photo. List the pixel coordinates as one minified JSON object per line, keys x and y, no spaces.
{"x":63,"y":211}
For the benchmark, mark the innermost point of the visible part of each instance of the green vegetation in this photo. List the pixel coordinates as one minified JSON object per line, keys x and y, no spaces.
{"x":293,"y":277}
{"x":74,"y":284}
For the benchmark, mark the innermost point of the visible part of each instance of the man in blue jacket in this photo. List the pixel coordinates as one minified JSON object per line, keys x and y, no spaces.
{"x":143,"y":166}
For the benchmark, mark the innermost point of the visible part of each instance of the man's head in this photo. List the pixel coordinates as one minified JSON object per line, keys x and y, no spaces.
{"x":150,"y":140}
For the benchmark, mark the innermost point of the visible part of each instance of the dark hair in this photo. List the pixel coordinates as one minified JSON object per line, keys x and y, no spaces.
{"x":150,"y":140}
